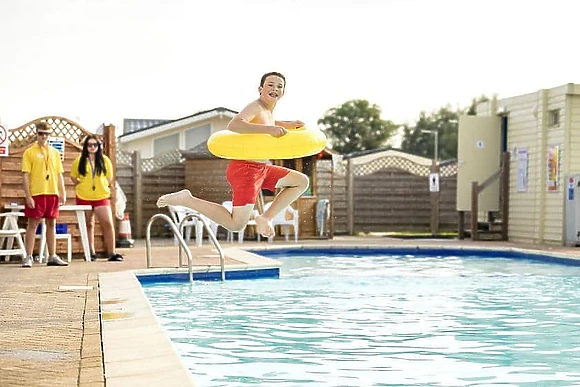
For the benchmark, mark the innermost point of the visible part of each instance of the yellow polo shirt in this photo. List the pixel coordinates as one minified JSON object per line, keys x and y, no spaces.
{"x":84,"y":188}
{"x":40,"y":162}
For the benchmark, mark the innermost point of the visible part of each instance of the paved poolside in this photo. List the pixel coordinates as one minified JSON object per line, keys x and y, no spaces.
{"x":51,"y":336}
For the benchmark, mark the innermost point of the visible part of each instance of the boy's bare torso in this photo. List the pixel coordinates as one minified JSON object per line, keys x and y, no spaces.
{"x":262,"y":115}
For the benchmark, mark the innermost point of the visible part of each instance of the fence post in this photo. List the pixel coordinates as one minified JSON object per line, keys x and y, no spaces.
{"x":461,"y":225}
{"x":435,"y":198}
{"x":331,"y":231}
{"x":505,"y":194}
{"x":137,"y":193}
{"x":350,"y":196}
{"x":110,"y":150}
{"x":474,"y":210}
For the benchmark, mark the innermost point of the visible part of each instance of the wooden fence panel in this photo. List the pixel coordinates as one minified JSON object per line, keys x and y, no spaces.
{"x":391,"y":200}
{"x":324,"y":191}
{"x":390,"y":194}
{"x":448,"y":203}
{"x":165,"y":180}
{"x":206,"y":179}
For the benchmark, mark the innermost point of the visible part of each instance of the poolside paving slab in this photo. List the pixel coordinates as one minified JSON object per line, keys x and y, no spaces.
{"x":51,"y":337}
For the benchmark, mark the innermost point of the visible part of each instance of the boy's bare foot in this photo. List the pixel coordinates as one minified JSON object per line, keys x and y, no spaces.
{"x":173,"y":199}
{"x":264,"y":226}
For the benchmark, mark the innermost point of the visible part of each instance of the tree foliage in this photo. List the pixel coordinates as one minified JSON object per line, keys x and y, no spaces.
{"x":445,"y":122}
{"x":356,"y":125}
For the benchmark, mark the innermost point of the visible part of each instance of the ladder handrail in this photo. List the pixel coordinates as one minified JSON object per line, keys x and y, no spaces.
{"x":211,"y":236}
{"x":182,"y":244}
{"x":177,"y":234}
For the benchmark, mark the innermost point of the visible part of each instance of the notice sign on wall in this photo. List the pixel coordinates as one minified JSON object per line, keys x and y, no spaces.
{"x":3,"y":141}
{"x":553,"y":168}
{"x":58,"y":144}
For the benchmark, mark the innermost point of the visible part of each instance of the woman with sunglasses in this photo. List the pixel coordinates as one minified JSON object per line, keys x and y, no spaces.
{"x":92,"y":174}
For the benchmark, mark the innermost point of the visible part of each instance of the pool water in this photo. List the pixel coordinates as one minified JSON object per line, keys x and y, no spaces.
{"x":380,"y":320}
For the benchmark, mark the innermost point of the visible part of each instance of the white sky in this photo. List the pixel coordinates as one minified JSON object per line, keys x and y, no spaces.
{"x":98,"y":61}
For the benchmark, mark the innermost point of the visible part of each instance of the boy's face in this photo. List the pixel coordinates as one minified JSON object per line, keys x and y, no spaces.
{"x":273,"y":88}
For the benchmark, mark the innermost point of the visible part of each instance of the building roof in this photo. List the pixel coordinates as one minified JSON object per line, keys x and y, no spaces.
{"x":131,"y":125}
{"x":171,"y":124}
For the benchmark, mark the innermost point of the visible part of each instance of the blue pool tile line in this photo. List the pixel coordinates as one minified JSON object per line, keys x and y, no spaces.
{"x":210,"y":276}
{"x":281,"y":253}
{"x":422,"y":251}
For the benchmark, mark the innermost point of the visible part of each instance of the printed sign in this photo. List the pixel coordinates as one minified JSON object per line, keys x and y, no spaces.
{"x":3,"y":141}
{"x":553,"y":168}
{"x":433,"y":182}
{"x":58,"y":144}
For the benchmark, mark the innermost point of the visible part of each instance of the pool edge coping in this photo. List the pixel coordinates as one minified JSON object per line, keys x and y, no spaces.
{"x":121,"y":293}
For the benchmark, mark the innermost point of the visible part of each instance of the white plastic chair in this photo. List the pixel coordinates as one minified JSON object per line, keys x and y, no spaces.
{"x":178,"y":213}
{"x":43,"y":253}
{"x":10,"y":233}
{"x":281,"y":220}
{"x":322,"y":215}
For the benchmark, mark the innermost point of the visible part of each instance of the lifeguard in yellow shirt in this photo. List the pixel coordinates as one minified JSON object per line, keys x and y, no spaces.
{"x":44,"y":191}
{"x":92,"y":174}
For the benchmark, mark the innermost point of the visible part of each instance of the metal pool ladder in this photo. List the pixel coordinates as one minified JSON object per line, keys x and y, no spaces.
{"x":182,"y":244}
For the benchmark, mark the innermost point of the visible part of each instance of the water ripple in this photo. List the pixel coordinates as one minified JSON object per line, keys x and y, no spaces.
{"x":381,"y":321}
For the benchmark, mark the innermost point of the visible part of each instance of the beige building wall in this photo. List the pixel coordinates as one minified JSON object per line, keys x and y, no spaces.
{"x":145,"y":143}
{"x":537,"y":215}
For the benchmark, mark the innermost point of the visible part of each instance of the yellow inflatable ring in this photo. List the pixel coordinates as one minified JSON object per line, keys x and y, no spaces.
{"x":299,"y":142}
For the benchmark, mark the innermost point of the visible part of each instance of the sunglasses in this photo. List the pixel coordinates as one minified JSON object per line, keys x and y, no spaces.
{"x":42,"y":134}
{"x":92,"y":145}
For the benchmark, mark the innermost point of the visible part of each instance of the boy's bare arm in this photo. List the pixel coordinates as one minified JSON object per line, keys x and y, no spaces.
{"x":246,"y":122}
{"x":290,"y":124}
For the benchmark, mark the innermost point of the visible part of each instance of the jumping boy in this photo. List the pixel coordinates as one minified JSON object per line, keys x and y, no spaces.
{"x":248,"y":177}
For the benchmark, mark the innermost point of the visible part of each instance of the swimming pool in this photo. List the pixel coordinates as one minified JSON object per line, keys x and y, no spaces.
{"x":367,"y":319}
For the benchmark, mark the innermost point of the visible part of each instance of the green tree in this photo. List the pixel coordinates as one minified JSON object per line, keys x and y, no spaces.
{"x":356,"y":125}
{"x":419,"y":139}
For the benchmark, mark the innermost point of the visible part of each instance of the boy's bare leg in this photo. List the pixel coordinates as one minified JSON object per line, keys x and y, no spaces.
{"x":293,"y":185}
{"x":234,"y":221}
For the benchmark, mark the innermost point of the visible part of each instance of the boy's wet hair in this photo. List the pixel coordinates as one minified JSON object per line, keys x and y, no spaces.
{"x":274,"y":73}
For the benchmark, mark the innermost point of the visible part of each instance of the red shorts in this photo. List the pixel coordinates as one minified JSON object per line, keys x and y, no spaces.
{"x":248,"y":178}
{"x":45,"y":206}
{"x":93,"y":203}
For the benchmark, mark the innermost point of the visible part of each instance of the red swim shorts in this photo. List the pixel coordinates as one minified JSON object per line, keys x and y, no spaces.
{"x":248,"y":178}
{"x":93,"y":203}
{"x":45,"y":206}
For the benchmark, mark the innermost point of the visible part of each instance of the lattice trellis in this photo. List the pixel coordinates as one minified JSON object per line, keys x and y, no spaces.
{"x":61,"y":127}
{"x":448,"y":170}
{"x":326,"y":165}
{"x":158,"y":162}
{"x":404,"y":164}
{"x":391,"y":162}
{"x":124,"y":157}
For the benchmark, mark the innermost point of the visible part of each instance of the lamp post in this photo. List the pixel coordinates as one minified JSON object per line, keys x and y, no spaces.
{"x":434,"y":191}
{"x":436,"y":134}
